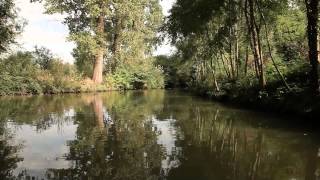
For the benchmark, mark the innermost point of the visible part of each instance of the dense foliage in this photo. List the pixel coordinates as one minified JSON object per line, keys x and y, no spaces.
{"x":23,"y":73}
{"x":114,"y":44}
{"x":245,"y":48}
{"x":137,"y":76}
{"x":109,"y":33}
{"x":10,"y":24}
{"x":239,"y":41}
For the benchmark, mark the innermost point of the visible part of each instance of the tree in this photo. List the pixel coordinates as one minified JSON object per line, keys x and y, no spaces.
{"x":43,"y":57}
{"x":221,"y":34}
{"x":134,"y":34}
{"x":312,"y":16}
{"x":86,"y":20}
{"x":84,"y":59}
{"x":10,"y":26}
{"x":108,"y":31}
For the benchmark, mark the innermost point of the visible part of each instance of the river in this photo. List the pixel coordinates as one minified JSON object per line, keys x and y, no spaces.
{"x":148,"y":135}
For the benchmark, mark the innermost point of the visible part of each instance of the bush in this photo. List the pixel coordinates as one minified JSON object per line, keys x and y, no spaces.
{"x":27,"y":73}
{"x":136,"y":76}
{"x":10,"y":85}
{"x":21,"y":74}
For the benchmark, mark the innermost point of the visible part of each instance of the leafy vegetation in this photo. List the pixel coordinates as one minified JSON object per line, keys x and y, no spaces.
{"x":22,"y":73}
{"x":258,"y":53}
{"x":10,"y":24}
{"x":137,"y":76}
{"x":114,"y":47}
{"x":255,"y":52}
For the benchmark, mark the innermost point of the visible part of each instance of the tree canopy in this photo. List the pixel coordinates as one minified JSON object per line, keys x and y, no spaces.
{"x":10,"y":25}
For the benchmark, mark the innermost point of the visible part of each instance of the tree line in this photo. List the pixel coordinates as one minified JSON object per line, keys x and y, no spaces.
{"x":252,"y":42}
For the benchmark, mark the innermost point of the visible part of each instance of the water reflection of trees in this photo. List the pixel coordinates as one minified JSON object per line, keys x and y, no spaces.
{"x":8,"y":153}
{"x":118,"y":137}
{"x":220,"y":145}
{"x":39,"y":111}
{"x":120,"y":143}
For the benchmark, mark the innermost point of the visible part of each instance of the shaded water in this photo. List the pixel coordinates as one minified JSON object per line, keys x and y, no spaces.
{"x":147,"y":135}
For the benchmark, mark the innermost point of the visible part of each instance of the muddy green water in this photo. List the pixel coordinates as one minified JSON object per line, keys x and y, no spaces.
{"x":148,"y":135}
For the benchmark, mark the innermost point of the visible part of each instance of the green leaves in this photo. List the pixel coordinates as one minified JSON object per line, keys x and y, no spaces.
{"x":137,"y":76}
{"x":10,"y":25}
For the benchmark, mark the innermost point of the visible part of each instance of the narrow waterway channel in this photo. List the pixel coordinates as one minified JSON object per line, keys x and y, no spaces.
{"x":148,"y":135}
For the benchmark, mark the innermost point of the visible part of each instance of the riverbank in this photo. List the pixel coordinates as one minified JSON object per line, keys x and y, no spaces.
{"x":20,"y":86}
{"x":275,"y":98}
{"x":22,"y":73}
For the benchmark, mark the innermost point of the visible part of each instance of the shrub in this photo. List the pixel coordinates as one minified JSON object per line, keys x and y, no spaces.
{"x":137,"y":76}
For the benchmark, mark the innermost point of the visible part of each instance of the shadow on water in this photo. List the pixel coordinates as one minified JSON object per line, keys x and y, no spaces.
{"x":148,"y":135}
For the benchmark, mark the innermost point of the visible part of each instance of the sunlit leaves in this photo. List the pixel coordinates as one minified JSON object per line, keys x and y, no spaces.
{"x":10,"y":25}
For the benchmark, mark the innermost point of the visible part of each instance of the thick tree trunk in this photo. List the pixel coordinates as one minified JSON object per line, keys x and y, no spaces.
{"x":98,"y":65}
{"x":312,"y":15}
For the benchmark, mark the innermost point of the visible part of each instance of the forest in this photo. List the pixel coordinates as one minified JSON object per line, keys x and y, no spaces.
{"x":257,"y":53}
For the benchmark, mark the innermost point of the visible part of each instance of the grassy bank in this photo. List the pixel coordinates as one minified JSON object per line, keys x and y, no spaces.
{"x":29,"y":73}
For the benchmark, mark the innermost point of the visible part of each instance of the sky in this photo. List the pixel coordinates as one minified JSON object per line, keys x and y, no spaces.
{"x":49,"y":31}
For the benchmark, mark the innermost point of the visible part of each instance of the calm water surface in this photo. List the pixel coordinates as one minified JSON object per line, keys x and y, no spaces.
{"x":148,"y":135}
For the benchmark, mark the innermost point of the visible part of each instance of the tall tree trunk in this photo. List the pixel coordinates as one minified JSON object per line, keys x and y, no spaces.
{"x":247,"y":61}
{"x":98,"y":65}
{"x":116,"y":43}
{"x":270,"y":49}
{"x":256,"y":45}
{"x":318,"y":47}
{"x":237,"y":51}
{"x":249,"y":36}
{"x":312,"y":15}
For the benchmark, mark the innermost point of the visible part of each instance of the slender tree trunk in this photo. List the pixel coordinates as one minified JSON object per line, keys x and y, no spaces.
{"x":270,"y":49}
{"x":231,"y":60}
{"x":256,"y":45}
{"x":247,"y":61}
{"x":237,"y":52}
{"x":213,"y":70}
{"x":312,"y":15}
{"x":318,"y":47}
{"x":224,"y":65}
{"x":98,"y":65}
{"x":250,"y":39}
{"x":231,"y":50}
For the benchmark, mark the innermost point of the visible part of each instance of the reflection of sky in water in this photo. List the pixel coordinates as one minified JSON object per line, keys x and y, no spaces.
{"x":216,"y":146}
{"x":46,"y":149}
{"x":167,"y":138}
